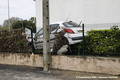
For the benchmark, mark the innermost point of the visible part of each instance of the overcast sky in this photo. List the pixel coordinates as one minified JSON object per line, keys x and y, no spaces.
{"x":18,"y":8}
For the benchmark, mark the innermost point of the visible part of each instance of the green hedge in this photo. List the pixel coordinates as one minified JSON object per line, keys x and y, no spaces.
{"x":105,"y":42}
{"x":14,"y":42}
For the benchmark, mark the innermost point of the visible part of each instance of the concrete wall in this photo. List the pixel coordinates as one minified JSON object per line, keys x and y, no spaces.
{"x":89,"y":11}
{"x":75,"y":63}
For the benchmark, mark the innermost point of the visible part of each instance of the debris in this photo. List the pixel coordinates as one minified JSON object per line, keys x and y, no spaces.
{"x":63,"y":49}
{"x":61,"y":43}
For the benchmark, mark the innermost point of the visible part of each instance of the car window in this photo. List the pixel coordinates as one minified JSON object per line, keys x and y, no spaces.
{"x":70,"y":24}
{"x":40,"y":32}
{"x":53,"y":27}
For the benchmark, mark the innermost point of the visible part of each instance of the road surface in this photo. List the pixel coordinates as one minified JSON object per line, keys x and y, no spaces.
{"x":8,"y":72}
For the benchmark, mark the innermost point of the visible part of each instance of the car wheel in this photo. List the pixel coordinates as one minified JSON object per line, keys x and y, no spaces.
{"x":59,"y":43}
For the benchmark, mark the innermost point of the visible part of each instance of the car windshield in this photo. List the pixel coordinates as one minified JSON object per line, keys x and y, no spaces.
{"x":40,"y":32}
{"x":70,"y":24}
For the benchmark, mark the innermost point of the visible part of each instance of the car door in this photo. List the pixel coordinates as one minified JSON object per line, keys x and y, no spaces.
{"x":38,"y":41}
{"x":53,"y":28}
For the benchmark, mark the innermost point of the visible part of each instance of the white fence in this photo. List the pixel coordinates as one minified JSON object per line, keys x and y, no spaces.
{"x":103,"y":26}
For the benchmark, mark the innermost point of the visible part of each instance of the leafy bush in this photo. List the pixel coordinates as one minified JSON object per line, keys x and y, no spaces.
{"x":105,"y":42}
{"x":13,"y":42}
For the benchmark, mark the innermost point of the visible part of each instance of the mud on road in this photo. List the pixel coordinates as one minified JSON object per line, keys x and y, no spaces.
{"x":8,"y":72}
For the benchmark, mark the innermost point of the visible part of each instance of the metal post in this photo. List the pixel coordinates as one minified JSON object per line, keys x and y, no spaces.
{"x":83,"y":45}
{"x":32,"y":46}
{"x":8,"y":16}
{"x":46,"y":36}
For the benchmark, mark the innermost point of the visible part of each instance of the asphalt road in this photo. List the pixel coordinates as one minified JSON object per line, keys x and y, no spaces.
{"x":8,"y":72}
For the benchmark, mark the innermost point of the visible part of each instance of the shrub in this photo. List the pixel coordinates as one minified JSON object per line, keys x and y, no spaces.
{"x":13,"y":42}
{"x":105,"y":42}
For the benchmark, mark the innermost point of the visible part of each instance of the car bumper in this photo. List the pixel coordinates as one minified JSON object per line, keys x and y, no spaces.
{"x":77,"y":38}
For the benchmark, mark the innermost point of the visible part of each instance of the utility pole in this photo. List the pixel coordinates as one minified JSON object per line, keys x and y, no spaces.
{"x":46,"y":36}
{"x":8,"y":16}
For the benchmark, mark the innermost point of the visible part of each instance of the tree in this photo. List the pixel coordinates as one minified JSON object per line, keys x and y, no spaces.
{"x":33,"y":23}
{"x":17,"y":25}
{"x":26,"y":24}
{"x":12,"y":20}
{"x":1,"y":27}
{"x":20,"y":23}
{"x":32,"y":19}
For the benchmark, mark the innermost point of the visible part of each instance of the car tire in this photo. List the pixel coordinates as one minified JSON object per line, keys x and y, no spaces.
{"x":63,"y":41}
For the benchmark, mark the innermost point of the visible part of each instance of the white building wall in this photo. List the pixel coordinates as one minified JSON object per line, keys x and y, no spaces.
{"x":38,"y":14}
{"x":89,"y":11}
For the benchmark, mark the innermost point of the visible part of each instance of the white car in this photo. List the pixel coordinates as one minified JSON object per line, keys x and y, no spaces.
{"x":73,"y":33}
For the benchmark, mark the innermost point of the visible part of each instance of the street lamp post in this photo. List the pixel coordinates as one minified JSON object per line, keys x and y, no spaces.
{"x":8,"y":16}
{"x":22,"y":22}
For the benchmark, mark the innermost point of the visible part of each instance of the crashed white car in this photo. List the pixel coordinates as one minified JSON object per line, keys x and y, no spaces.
{"x":73,"y":33}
